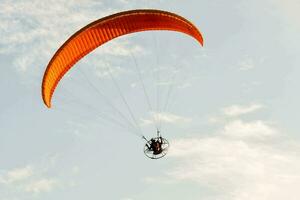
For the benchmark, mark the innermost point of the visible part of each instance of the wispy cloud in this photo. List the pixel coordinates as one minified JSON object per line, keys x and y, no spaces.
{"x":42,"y":185}
{"x":246,"y":64}
{"x":34,"y":179}
{"x":234,"y":111}
{"x":17,"y":174}
{"x":28,"y":179}
{"x":32,"y":31}
{"x":255,"y":129}
{"x":237,"y":110}
{"x":104,"y":69}
{"x":164,"y":117}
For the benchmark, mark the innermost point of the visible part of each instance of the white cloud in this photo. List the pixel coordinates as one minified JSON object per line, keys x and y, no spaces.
{"x":246,"y":64}
{"x":164,"y":117}
{"x":234,"y":111}
{"x":32,"y":179}
{"x":30,"y":29}
{"x":232,"y":164}
{"x":42,"y":185}
{"x":237,"y":110}
{"x":15,"y":175}
{"x":105,"y":70}
{"x":255,"y":130}
{"x":239,"y":170}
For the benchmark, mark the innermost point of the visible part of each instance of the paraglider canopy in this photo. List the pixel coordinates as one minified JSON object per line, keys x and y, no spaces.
{"x":103,"y":30}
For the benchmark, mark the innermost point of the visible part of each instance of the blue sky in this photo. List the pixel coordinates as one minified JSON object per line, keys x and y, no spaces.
{"x":232,"y":119}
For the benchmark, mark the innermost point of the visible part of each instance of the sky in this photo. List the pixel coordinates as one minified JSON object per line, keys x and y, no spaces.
{"x":231,"y":115}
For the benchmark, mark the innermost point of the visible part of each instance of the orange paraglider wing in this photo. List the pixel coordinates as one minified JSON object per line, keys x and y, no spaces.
{"x":103,"y":30}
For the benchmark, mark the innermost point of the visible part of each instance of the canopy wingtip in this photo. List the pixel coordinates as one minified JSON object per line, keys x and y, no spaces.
{"x":47,"y":103}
